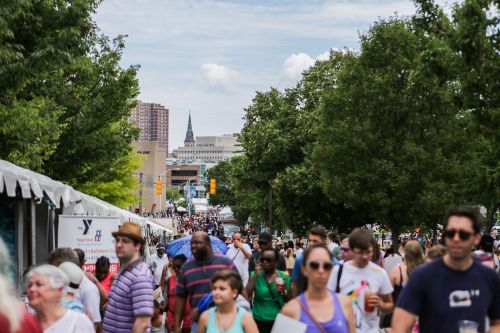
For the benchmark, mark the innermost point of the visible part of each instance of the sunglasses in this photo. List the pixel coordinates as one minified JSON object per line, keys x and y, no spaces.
{"x":344,"y":249}
{"x":327,"y":266}
{"x":262,"y":243}
{"x":463,"y":235}
{"x":267,"y":259}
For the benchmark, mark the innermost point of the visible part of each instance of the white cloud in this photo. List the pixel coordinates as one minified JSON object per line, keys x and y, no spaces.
{"x":295,"y":64}
{"x":218,"y":76}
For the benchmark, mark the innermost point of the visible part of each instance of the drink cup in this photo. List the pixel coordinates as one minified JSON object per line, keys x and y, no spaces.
{"x":280,"y":284}
{"x":368,"y":295}
{"x":468,"y":326}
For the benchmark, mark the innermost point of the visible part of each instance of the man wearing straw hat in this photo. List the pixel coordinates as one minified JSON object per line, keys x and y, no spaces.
{"x":130,"y":306}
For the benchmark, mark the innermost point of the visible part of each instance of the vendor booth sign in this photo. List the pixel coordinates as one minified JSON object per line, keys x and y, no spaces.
{"x":92,"y":234}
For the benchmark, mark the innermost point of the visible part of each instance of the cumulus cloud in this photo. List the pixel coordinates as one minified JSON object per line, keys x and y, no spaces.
{"x":218,"y":76}
{"x":295,"y":64}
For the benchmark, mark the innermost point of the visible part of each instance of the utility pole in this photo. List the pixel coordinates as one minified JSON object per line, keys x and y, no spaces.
{"x":270,"y":220}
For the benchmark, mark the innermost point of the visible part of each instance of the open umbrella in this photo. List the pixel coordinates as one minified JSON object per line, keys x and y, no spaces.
{"x":183,"y":246}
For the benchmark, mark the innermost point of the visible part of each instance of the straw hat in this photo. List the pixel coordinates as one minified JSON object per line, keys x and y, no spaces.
{"x":130,"y":230}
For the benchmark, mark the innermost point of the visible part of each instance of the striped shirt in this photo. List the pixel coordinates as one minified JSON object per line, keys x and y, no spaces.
{"x":195,"y":276}
{"x":131,"y":296}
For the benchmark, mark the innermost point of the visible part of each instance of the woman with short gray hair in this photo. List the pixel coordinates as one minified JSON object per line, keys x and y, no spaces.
{"x":46,"y":288}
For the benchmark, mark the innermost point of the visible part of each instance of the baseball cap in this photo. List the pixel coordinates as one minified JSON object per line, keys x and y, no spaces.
{"x":74,"y":274}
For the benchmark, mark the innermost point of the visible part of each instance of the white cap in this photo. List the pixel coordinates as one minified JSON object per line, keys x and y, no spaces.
{"x":74,"y":274}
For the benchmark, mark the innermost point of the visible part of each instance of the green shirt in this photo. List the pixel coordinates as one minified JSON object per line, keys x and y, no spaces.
{"x":264,"y":307}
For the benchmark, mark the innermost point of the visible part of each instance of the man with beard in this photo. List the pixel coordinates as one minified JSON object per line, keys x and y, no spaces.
{"x":130,"y":306}
{"x":194,"y":279}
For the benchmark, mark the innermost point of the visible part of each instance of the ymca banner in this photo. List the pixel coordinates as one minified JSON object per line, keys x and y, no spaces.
{"x":92,"y":234}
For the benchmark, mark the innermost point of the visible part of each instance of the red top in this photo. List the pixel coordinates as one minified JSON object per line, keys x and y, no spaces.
{"x":172,"y":281}
{"x":28,"y":324}
{"x":107,"y":282}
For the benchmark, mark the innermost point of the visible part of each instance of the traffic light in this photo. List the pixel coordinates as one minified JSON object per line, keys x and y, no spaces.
{"x":158,"y":187}
{"x":213,"y":185}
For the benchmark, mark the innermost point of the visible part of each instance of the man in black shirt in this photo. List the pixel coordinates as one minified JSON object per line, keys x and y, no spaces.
{"x":265,"y":242}
{"x":456,"y":288}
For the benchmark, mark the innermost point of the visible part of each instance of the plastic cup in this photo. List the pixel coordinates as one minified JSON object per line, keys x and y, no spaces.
{"x":280,"y":284}
{"x":368,"y":295}
{"x":468,"y":326}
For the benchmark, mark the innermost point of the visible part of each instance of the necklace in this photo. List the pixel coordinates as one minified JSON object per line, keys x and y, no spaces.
{"x":220,"y":324}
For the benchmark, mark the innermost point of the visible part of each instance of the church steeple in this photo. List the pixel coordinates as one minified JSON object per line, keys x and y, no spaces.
{"x":189,"y":132}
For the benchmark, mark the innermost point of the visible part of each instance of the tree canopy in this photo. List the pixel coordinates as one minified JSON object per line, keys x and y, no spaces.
{"x":64,"y":99}
{"x":391,"y":134}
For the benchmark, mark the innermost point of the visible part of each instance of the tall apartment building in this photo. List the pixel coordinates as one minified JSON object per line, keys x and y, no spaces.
{"x":152,"y":120}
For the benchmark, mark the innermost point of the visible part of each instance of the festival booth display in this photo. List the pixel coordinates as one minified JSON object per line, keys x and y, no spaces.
{"x":39,"y":214}
{"x":29,"y":206}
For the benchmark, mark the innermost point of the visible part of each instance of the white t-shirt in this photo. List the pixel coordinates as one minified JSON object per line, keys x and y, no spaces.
{"x":355,"y":282}
{"x":71,"y":322}
{"x":240,"y":261}
{"x":88,"y":295}
{"x":156,"y":263}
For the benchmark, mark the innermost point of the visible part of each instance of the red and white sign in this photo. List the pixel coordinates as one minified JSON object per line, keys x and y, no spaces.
{"x":92,"y":234}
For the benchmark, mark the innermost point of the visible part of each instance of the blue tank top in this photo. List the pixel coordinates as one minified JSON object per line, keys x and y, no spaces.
{"x":237,"y":325}
{"x":338,"y":324}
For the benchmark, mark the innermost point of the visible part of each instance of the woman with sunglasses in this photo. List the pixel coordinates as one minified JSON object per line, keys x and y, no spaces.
{"x":322,"y":310}
{"x":269,"y":288}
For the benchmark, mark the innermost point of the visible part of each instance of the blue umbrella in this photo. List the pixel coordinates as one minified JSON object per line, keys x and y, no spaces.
{"x":183,"y":246}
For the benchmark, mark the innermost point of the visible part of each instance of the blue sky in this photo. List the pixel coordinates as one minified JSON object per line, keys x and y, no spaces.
{"x":211,"y":56}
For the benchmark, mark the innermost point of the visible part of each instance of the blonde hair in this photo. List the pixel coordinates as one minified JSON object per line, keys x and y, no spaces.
{"x":414,"y":256}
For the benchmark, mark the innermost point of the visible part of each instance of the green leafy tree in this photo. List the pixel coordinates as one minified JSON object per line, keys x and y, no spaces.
{"x":389,"y":130}
{"x":64,"y":99}
{"x":472,"y":34}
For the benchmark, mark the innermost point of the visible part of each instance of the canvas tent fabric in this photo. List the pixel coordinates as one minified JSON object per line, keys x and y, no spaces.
{"x":12,"y":176}
{"x":72,"y":201}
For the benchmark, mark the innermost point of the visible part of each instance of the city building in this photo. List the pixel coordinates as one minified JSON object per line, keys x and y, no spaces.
{"x":153,"y":169}
{"x":207,"y":149}
{"x":152,"y":119}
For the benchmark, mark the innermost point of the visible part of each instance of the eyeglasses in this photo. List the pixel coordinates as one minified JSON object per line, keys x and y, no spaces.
{"x":267,"y":259}
{"x":327,"y":265}
{"x":462,"y":234}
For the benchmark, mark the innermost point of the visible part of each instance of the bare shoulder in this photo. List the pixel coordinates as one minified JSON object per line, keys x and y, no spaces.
{"x":204,"y":317}
{"x":344,"y":300}
{"x":291,"y":309}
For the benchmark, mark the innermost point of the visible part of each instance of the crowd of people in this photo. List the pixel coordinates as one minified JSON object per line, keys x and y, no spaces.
{"x":338,"y":283}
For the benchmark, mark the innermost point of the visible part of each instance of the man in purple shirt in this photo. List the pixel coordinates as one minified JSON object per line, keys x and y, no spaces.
{"x":130,"y":306}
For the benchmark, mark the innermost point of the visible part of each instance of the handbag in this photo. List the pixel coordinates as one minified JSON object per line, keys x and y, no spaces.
{"x":316,"y":322}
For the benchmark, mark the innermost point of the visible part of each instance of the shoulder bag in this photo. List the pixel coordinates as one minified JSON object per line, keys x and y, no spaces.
{"x":316,"y":322}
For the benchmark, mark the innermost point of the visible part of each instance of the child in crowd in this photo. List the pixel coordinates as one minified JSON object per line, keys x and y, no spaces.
{"x":226,"y":316}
